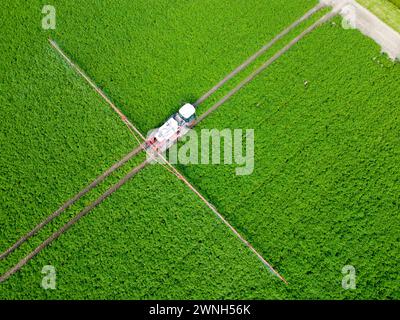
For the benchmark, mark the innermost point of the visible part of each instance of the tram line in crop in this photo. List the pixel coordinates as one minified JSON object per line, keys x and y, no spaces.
{"x":155,"y":149}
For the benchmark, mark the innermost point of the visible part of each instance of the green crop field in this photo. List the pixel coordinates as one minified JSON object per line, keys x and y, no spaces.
{"x":387,"y":10}
{"x":396,"y":2}
{"x":325,"y":190}
{"x":324,"y":193}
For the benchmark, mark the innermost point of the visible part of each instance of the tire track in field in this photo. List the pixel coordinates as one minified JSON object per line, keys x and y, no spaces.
{"x":321,"y":21}
{"x":70,"y":202}
{"x":74,"y":220}
{"x":252,"y":58}
{"x":134,"y":171}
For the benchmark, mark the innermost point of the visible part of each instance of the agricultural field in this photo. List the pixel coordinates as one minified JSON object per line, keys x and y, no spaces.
{"x":325,"y":189}
{"x":62,"y":130}
{"x":324,"y":192}
{"x":396,"y":2}
{"x":387,"y":10}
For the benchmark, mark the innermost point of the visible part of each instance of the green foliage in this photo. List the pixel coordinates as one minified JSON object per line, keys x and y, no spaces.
{"x":384,"y":10}
{"x":57,"y":136}
{"x":55,"y":133}
{"x":325,"y":189}
{"x":152,"y":57}
{"x":395,"y":2}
